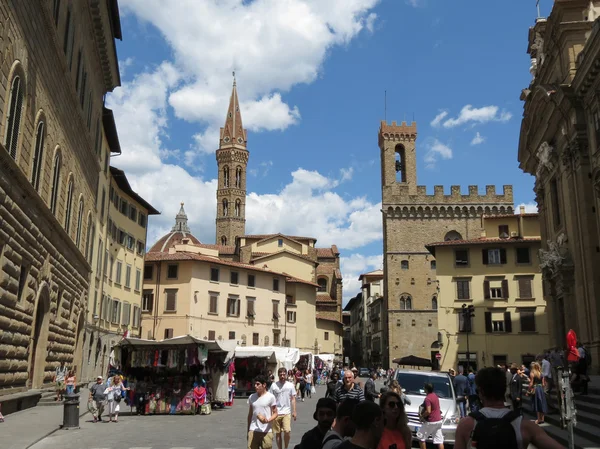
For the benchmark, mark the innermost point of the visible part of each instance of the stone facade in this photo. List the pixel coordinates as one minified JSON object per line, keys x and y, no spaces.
{"x":559,"y":145}
{"x":57,"y":63}
{"x":411,"y":218}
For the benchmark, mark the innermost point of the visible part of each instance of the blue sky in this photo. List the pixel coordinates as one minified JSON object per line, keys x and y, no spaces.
{"x":311,"y":76}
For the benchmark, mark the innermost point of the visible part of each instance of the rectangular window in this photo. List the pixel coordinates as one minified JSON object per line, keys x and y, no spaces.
{"x":171,"y":300}
{"x":326,"y":336}
{"x":123,"y":207}
{"x":527,"y":318}
{"x":461,"y":258}
{"x":464,"y":322}
{"x":495,"y":256}
{"x":138,"y":278}
{"x":172,"y":271}
{"x":250,"y":307}
{"x":114,"y":232}
{"x":497,"y":325}
{"x":116,"y":312}
{"x":276,"y":310}
{"x":251,"y":280}
{"x":132,"y":213}
{"x":462,"y":289}
{"x":116,"y":200}
{"x":255,"y":339}
{"x":233,"y":278}
{"x":291,"y":316}
{"x":231,"y":335}
{"x":498,"y":322}
{"x":276,"y":338}
{"x":213,"y":305}
{"x":142,"y":220}
{"x":525,"y":290}
{"x":168,"y":333}
{"x":102,"y":203}
{"x":503,"y":231}
{"x":523,"y":256}
{"x":148,"y":272}
{"x":99,"y":260}
{"x":211,"y":335}
{"x":95,"y":303}
{"x":495,"y":293}
{"x":136,"y":316}
{"x":280,"y":243}
{"x":275,"y":285}
{"x":495,"y":289}
{"x":147,"y":301}
{"x":128,"y":276}
{"x":555,"y":203}
{"x":122,"y":237}
{"x":110,"y":268}
{"x":214,"y":274}
{"x":130,"y":242}
{"x":140,"y":248}
{"x":22,"y":281}
{"x":233,"y":306}
{"x":126,"y":314}
{"x":119,"y":269}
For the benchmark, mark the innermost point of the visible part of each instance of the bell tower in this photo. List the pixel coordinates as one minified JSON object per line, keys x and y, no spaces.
{"x":232,"y":162}
{"x":398,"y":156}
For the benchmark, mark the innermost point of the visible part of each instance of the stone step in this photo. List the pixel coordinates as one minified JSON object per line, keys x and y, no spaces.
{"x":582,"y":429}
{"x":562,"y":437}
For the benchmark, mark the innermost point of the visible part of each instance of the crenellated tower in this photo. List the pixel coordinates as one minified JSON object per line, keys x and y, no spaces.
{"x":232,"y":162}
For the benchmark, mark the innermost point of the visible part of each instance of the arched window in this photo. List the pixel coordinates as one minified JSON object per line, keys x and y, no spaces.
{"x":223,"y":240}
{"x":226,"y":176}
{"x":238,"y":177}
{"x":225,"y":207}
{"x":452,"y":235}
{"x":38,"y":154}
{"x":434,"y":304}
{"x":68,"y":206}
{"x":13,"y":118}
{"x":405,"y":302}
{"x":400,"y":163}
{"x":238,"y":207}
{"x":55,"y":182}
{"x":79,"y":223}
{"x":404,"y":264}
{"x":322,"y":282}
{"x":89,"y":238}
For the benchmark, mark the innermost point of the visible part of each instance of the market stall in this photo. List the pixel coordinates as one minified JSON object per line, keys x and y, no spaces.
{"x":175,"y":375}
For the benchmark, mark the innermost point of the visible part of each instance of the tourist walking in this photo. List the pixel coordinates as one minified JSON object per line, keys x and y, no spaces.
{"x":537,"y":385}
{"x":343,"y":426}
{"x":285,"y":397}
{"x":114,"y":395}
{"x":60,"y":375}
{"x":97,"y":399}
{"x":70,"y":382}
{"x":495,"y":425}
{"x":396,"y":434}
{"x":332,"y":385}
{"x":460,"y":388}
{"x":516,"y":389}
{"x":472,"y":391}
{"x":262,"y":411}
{"x":348,"y":389}
{"x":431,"y":416}
{"x":308,"y":377}
{"x":369,"y":423}
{"x":324,"y":415}
{"x":370,"y":389}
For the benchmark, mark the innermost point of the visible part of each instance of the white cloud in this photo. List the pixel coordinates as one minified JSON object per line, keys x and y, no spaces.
{"x":438,"y":119}
{"x":346,"y":174}
{"x":469,"y":114}
{"x":352,"y":267}
{"x":124,"y":65}
{"x":437,"y":150}
{"x":530,"y":208}
{"x":413,"y":3}
{"x":478,"y":139}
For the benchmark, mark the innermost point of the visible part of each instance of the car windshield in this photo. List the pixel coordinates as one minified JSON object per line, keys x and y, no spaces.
{"x":415,"y":384}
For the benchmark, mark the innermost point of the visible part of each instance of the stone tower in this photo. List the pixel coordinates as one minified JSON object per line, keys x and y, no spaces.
{"x":232,"y":161}
{"x":411,"y":219}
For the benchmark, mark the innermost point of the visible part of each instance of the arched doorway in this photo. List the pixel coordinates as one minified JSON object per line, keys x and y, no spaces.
{"x":39,"y":338}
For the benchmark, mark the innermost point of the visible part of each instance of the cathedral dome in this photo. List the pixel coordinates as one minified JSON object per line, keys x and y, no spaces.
{"x":179,"y":232}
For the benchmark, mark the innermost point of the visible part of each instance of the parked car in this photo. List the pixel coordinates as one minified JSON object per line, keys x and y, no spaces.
{"x":413,"y":385}
{"x":364,"y":372}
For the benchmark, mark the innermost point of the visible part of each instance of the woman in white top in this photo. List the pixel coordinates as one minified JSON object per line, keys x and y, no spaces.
{"x":114,"y":395}
{"x":308,"y":377}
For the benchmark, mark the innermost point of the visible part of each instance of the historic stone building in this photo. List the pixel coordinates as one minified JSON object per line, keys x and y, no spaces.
{"x":559,"y":145}
{"x":58,"y":61}
{"x":412,"y":218}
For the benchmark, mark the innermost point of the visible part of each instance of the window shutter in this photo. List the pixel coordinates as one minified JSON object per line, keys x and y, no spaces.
{"x":525,"y":288}
{"x":486,"y":290}
{"x":502,"y":255}
{"x":488,"y":322}
{"x":505,"y":288}
{"x":484,"y":254}
{"x":507,"y":322}
{"x":466,"y":290}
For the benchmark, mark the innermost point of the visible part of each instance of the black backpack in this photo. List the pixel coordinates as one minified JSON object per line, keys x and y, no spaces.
{"x":494,"y":433}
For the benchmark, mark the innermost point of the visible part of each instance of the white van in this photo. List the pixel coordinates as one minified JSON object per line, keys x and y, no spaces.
{"x":413,"y":385}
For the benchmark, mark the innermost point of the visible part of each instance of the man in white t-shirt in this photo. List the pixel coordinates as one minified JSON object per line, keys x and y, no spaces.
{"x":262,"y":411}
{"x":285,"y":395}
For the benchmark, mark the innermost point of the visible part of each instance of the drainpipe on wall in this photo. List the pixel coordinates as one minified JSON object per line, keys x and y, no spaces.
{"x":156,"y":302}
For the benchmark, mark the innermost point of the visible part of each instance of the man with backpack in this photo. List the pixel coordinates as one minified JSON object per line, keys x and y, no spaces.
{"x":495,"y":426}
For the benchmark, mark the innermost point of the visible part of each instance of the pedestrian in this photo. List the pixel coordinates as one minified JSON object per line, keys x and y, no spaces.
{"x":472,"y":391}
{"x":582,"y":368}
{"x":97,"y":399}
{"x":308,"y":377}
{"x":60,"y":374}
{"x":460,"y":388}
{"x":508,"y":378}
{"x":70,"y":382}
{"x":356,"y":379}
{"x":343,"y":426}
{"x":114,"y":395}
{"x":285,"y":397}
{"x":369,"y":423}
{"x":270,"y":379}
{"x":298,"y":376}
{"x":348,"y":390}
{"x":431,"y":415}
{"x":537,"y":384}
{"x":546,"y":369}
{"x":332,"y":385}
{"x":396,"y":434}
{"x":262,"y":411}
{"x":516,"y":389}
{"x":495,"y":426}
{"x":324,"y":415}
{"x":370,"y":389}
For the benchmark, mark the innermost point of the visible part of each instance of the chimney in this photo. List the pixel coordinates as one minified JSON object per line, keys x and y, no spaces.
{"x":522,"y":210}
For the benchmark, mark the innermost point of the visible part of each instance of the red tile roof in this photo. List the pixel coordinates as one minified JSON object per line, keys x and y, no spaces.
{"x":325,"y":297}
{"x":267,"y":236}
{"x":326,"y":318}
{"x":295,"y":280}
{"x":176,"y":238}
{"x":184,"y":255}
{"x":324,"y":252}
{"x":483,"y":241}
{"x":265,"y":255}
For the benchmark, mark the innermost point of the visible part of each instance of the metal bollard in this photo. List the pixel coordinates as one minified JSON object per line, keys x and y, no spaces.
{"x":71,"y":411}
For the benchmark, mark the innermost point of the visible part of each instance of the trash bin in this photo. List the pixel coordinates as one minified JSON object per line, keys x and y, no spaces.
{"x":71,"y":411}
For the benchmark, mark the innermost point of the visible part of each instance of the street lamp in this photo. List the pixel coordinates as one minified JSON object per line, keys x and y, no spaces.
{"x":468,"y":312}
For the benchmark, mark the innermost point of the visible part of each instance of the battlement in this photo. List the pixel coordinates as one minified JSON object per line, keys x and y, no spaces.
{"x":396,"y":132}
{"x":399,"y":194}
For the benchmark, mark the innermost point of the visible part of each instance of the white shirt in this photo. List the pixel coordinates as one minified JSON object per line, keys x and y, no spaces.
{"x":308,"y":378}
{"x":546,"y":371}
{"x":261,"y":405}
{"x":283,"y":395}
